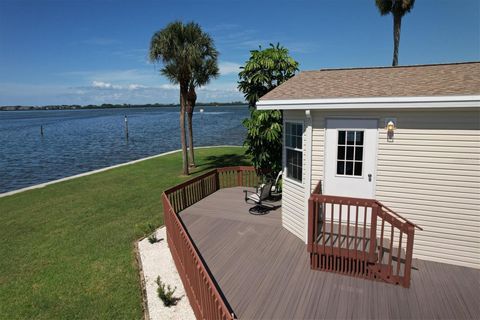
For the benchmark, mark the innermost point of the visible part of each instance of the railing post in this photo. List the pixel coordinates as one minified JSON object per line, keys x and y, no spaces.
{"x":408,"y":255}
{"x":372,"y":255}
{"x":203,"y":192}
{"x":217,"y":180}
{"x":311,"y":223}
{"x":239,"y":177}
{"x":184,"y":199}
{"x":167,"y":209}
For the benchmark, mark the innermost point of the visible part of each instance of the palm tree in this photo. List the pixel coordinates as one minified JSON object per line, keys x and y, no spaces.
{"x":398,"y":8}
{"x":203,"y":72}
{"x":181,"y":48}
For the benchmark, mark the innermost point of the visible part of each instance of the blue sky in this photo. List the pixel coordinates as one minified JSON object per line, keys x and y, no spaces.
{"x":82,"y":52}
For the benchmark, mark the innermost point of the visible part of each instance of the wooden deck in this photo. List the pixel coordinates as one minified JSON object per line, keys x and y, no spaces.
{"x":264,"y":272}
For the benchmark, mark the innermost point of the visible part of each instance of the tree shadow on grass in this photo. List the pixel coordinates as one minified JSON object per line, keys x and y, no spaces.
{"x":224,"y":160}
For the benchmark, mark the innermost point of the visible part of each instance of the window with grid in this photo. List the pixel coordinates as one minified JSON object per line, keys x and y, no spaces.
{"x":294,"y":150}
{"x":350,"y":153}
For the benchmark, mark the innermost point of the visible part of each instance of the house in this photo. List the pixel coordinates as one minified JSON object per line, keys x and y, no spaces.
{"x":381,"y":165}
{"x":406,"y":136}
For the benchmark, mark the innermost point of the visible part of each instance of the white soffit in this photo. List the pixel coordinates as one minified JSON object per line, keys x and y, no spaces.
{"x":372,"y":103}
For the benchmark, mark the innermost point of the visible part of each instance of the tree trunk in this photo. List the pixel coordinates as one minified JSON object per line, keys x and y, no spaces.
{"x":183,"y":98}
{"x":192,"y":99}
{"x":397,"y":25}
{"x":190,"y":139}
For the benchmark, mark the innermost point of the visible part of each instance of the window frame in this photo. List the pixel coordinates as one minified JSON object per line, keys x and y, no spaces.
{"x":302,"y":124}
{"x":345,"y":160}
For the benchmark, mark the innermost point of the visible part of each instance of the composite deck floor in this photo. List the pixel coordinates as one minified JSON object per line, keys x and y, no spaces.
{"x":263,"y":271}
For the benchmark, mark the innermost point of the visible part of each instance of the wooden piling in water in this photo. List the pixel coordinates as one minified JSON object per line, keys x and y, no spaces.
{"x":126,"y":127}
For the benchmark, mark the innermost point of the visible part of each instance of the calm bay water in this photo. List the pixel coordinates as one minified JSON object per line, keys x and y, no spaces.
{"x":77,"y":141}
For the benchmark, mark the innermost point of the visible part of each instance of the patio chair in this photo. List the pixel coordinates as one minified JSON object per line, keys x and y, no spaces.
{"x":275,"y":190}
{"x":276,"y":187}
{"x":257,"y":198}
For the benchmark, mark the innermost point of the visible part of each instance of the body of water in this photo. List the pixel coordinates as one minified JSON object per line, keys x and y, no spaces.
{"x":77,"y":141}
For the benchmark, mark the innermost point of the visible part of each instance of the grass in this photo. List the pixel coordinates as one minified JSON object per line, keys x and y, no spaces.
{"x":67,"y":250}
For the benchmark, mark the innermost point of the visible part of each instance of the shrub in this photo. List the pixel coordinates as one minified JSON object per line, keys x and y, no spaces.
{"x":265,"y":70}
{"x":153,"y":238}
{"x":151,"y":230}
{"x":166,"y":294}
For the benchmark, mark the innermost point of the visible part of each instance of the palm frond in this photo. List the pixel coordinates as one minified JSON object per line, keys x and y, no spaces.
{"x":384,"y":6}
{"x":400,"y":7}
{"x":187,"y":53}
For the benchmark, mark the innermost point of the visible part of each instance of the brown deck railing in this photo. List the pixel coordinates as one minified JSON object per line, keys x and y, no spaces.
{"x":359,"y":237}
{"x":202,"y":291}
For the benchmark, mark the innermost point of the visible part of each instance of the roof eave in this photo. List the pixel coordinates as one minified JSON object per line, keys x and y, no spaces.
{"x":466,"y":101}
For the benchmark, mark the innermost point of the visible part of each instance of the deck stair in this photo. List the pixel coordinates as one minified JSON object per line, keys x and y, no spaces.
{"x":340,"y":236}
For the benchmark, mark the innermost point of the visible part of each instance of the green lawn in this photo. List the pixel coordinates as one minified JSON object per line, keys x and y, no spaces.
{"x":67,"y":250}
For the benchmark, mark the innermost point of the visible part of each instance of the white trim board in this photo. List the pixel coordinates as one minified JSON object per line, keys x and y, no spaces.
{"x":372,"y":103}
{"x":308,"y":176}
{"x":41,"y":185}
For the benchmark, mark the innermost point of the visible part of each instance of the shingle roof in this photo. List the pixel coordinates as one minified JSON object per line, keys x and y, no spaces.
{"x":406,"y":81}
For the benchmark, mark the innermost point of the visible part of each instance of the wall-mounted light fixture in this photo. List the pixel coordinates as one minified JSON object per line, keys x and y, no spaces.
{"x":390,"y":125}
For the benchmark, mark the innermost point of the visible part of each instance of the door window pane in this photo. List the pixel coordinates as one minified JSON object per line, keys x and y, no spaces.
{"x":341,"y":167}
{"x":349,"y":168}
{"x":341,"y":153}
{"x":341,"y":137}
{"x":359,"y":138}
{"x":359,"y":153}
{"x":350,"y":153}
{"x":350,"y":137}
{"x":358,"y":169}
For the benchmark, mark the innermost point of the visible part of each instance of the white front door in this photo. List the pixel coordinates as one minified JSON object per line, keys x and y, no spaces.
{"x":350,"y":157}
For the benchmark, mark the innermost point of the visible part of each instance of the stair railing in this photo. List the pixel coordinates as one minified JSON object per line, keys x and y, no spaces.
{"x":359,"y":237}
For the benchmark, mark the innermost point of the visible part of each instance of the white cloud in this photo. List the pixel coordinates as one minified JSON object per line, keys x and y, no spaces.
{"x":164,"y":93}
{"x":218,"y":86}
{"x":104,"y":85}
{"x":135,"y":86}
{"x":238,"y":38}
{"x":125,"y":76}
{"x":107,"y":85}
{"x":99,"y":92}
{"x":229,"y":67}
{"x":169,"y":86}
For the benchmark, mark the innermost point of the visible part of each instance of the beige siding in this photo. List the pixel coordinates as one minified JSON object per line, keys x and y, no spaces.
{"x":293,"y":199}
{"x":318,"y":138}
{"x":430,"y":174}
{"x":293,"y":209}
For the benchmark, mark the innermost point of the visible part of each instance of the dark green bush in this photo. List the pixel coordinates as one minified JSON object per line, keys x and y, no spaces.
{"x":166,"y":293}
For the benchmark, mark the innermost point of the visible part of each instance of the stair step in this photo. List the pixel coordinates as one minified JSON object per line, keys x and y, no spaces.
{"x":340,"y":235}
{"x":385,"y":273}
{"x":385,"y":252}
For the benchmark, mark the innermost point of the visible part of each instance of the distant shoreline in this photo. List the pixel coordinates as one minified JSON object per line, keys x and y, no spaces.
{"x":115,"y":106}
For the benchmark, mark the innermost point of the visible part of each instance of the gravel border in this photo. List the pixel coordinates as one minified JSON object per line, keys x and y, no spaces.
{"x":156,"y":260}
